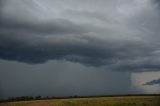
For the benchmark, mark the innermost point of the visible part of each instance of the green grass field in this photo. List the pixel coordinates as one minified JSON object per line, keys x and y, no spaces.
{"x":99,"y":101}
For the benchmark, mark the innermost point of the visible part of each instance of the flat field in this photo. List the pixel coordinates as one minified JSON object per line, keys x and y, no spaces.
{"x":96,"y":101}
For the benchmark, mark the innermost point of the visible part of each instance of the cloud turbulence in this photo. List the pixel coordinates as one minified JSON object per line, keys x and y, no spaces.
{"x":120,"y":35}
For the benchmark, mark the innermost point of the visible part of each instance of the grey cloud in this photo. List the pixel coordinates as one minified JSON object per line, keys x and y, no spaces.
{"x":95,"y":40}
{"x":57,"y":26}
{"x":157,"y":2}
{"x":153,"y":82}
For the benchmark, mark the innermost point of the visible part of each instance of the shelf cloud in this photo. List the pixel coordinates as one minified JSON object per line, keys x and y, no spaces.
{"x":84,"y":47}
{"x":119,"y":35}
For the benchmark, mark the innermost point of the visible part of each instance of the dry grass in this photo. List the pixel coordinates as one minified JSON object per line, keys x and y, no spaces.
{"x":99,"y":101}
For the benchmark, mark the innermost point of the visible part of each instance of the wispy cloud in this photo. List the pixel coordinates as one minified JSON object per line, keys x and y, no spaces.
{"x":153,"y":82}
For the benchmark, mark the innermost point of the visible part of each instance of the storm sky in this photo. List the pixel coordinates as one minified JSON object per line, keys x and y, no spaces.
{"x":79,"y":47}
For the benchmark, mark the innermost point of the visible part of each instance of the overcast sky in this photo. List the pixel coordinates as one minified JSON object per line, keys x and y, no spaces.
{"x":82,"y":47}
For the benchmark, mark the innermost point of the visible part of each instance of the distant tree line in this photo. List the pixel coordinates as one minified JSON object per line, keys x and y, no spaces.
{"x":29,"y":98}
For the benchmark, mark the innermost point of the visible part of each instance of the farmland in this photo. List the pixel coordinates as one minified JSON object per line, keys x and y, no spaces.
{"x":96,"y":101}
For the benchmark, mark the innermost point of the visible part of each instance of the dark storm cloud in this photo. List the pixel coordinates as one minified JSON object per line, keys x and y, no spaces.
{"x":157,"y":2}
{"x":57,"y":26}
{"x":95,"y":38}
{"x":153,"y":82}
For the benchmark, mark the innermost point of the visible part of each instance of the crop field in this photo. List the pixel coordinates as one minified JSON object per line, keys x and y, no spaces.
{"x":96,"y":101}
